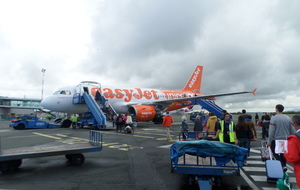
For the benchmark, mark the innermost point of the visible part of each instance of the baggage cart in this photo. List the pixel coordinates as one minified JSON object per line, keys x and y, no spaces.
{"x":206,"y":161}
{"x":12,"y":158}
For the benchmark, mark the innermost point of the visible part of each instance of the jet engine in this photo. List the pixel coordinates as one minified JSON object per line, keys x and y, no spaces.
{"x":142,"y":112}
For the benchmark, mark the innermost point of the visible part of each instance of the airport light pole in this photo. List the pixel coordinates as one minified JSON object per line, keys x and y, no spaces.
{"x":43,"y":71}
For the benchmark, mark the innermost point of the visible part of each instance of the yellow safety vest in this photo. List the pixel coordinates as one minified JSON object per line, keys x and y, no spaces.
{"x":231,"y":132}
{"x":74,"y":119}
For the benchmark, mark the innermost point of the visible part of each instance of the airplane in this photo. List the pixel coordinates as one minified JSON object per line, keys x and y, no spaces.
{"x":144,"y":103}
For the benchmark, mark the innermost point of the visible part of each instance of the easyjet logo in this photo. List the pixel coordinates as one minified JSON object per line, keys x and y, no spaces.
{"x":193,"y":80}
{"x":127,"y":94}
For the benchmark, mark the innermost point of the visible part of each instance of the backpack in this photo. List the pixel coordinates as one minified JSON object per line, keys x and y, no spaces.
{"x":120,"y":120}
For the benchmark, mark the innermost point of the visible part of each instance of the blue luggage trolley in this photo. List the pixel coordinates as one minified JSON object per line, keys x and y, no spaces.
{"x":206,"y":161}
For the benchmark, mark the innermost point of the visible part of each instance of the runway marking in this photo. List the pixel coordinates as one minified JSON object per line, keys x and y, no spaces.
{"x":168,"y":146}
{"x":61,"y":135}
{"x":143,"y":136}
{"x":149,"y":129}
{"x":5,"y":130}
{"x":256,"y":172}
{"x":49,"y":136}
{"x":165,"y":139}
{"x":124,"y":147}
{"x":108,"y":144}
{"x":74,"y":141}
{"x":263,"y":178}
{"x":248,"y":180}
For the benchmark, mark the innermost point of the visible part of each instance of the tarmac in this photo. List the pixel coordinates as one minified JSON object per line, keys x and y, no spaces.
{"x":128,"y":161}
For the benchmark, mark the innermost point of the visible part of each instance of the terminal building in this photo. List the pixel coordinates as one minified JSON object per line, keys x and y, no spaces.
{"x":11,"y":107}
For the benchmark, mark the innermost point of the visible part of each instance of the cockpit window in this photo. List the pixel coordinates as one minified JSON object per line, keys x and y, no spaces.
{"x":56,"y":93}
{"x":63,"y":92}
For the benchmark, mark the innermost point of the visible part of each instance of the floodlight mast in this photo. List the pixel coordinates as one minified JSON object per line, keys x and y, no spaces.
{"x":43,"y":71}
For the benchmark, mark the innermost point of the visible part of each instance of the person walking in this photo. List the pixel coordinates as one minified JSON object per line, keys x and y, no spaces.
{"x":244,"y":113}
{"x":243,"y":134}
{"x":292,"y":154}
{"x":211,"y":123}
{"x":226,"y":130}
{"x":198,"y":128}
{"x":265,"y":127}
{"x":167,"y":123}
{"x":256,"y":118}
{"x":184,"y":127}
{"x":119,"y":123}
{"x":248,"y":120}
{"x":280,"y":128}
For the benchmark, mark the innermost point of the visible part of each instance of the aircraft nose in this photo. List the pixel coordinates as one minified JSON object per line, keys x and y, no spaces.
{"x":45,"y":103}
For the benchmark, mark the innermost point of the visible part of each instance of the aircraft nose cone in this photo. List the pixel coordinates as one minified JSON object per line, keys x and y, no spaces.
{"x":45,"y":103}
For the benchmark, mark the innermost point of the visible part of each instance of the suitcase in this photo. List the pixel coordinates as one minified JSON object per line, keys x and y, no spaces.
{"x":273,"y":168}
{"x":264,"y":151}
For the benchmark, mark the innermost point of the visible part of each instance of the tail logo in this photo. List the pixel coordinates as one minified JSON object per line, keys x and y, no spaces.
{"x":196,"y":73}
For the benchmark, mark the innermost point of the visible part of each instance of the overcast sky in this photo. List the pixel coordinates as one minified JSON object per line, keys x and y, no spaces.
{"x":242,"y":44}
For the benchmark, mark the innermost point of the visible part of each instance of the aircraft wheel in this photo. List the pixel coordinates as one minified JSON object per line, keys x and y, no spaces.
{"x":66,"y":123}
{"x":20,"y":126}
{"x":77,"y":159}
{"x":5,"y":166}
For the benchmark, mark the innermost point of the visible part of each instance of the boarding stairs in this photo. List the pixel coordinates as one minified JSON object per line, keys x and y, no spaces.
{"x":209,"y":106}
{"x":95,"y":109}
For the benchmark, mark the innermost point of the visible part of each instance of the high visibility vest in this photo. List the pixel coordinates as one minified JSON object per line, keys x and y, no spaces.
{"x":231,"y":132}
{"x":74,"y":119}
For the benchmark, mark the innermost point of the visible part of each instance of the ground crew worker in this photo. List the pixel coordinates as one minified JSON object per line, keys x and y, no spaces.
{"x":49,"y":116}
{"x":74,"y":120}
{"x":226,"y":131}
{"x":167,"y":123}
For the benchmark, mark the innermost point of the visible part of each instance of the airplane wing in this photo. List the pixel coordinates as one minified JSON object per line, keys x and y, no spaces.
{"x":165,"y":103}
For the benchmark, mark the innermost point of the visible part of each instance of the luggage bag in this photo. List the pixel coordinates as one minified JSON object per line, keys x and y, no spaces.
{"x":273,"y":168}
{"x":264,"y":151}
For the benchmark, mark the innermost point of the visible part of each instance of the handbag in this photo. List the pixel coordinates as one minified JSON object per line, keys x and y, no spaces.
{"x":264,"y":151}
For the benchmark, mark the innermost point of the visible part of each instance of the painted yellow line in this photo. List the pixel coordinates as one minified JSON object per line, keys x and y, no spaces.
{"x":49,"y":136}
{"x":149,"y":129}
{"x":143,"y":136}
{"x":62,"y":135}
{"x":165,"y":139}
{"x":108,"y":144}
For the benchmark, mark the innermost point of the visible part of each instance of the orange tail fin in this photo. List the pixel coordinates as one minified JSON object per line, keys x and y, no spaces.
{"x":194,"y":83}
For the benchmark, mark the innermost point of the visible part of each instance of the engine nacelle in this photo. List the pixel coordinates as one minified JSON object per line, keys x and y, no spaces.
{"x":142,"y":112}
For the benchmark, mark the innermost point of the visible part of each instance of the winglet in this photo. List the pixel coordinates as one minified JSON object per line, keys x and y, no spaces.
{"x":254,"y":92}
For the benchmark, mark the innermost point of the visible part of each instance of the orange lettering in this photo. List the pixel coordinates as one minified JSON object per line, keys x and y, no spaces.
{"x":139,"y":95}
{"x":108,"y":93}
{"x":154,"y":94}
{"x":128,"y":94}
{"x":119,"y":93}
{"x":147,"y":94}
